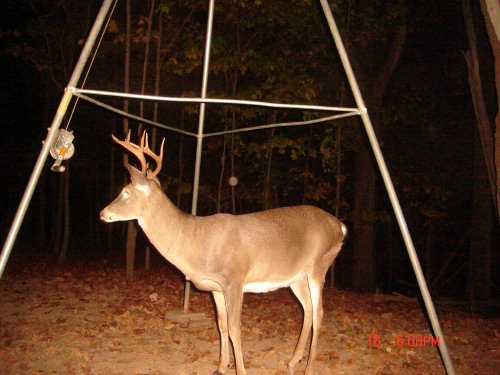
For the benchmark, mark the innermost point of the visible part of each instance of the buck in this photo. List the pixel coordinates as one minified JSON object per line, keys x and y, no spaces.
{"x":229,"y":255}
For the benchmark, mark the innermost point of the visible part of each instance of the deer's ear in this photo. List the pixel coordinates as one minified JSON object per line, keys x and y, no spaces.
{"x":138,"y":179}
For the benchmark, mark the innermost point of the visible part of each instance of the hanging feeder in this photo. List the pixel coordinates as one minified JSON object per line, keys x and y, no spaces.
{"x":62,"y":149}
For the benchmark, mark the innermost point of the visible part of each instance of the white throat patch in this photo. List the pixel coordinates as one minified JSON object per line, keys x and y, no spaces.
{"x":144,"y":188}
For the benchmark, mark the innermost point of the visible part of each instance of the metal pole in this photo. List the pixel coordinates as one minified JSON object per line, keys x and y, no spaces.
{"x":390,"y":189}
{"x":49,"y":140}
{"x":201,"y":123}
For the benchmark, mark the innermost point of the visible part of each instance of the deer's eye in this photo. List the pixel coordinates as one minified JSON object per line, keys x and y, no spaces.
{"x":125,"y":194}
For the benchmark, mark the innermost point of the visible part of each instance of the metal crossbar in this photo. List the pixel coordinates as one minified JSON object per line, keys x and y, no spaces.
{"x":349,"y":112}
{"x":181,"y":99}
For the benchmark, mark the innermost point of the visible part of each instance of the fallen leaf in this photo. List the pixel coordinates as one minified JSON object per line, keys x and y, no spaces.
{"x":139,"y":331}
{"x":322,"y":357}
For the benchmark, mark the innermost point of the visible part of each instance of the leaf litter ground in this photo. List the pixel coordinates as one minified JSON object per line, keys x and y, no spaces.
{"x":90,"y":320}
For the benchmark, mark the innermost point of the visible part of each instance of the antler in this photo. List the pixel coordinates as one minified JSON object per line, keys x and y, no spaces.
{"x":139,"y":150}
{"x":157,"y":158}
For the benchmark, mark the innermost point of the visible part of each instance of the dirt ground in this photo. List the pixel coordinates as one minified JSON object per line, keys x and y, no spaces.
{"x":90,"y":320}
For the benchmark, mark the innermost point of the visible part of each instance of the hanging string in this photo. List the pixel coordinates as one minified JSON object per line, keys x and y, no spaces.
{"x":92,"y":61}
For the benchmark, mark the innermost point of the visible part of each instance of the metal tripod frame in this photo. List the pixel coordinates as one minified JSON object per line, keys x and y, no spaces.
{"x":361,"y":110}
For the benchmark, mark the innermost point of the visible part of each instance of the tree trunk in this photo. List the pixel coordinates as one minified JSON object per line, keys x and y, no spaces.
{"x":147,"y":250}
{"x":479,"y":278}
{"x":233,"y":171}
{"x":180,"y":161}
{"x":58,"y":217}
{"x":364,"y":277}
{"x":492,"y":19}
{"x":234,"y":86}
{"x":131,"y":226}
{"x":269,"y":159}
{"x":483,"y":123}
{"x":222,"y":166}
{"x":111,"y":193}
{"x":338,"y":187}
{"x":479,"y":282}
{"x":130,"y":249}
{"x":145,"y":65}
{"x":42,"y":210}
{"x":63,"y":246}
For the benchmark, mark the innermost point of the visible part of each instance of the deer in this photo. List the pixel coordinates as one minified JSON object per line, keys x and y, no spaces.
{"x":229,"y":255}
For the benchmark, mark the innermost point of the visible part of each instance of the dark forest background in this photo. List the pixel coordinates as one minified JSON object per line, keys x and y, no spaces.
{"x":408,"y":57}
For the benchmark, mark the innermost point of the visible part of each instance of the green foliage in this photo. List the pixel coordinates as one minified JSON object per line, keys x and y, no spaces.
{"x":50,"y":36}
{"x":274,"y":51}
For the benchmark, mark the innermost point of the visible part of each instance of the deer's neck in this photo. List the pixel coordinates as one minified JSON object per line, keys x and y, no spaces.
{"x":162,"y":222}
{"x":176,"y":235}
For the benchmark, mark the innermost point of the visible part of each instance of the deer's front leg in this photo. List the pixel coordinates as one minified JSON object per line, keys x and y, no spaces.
{"x":220,"y":303}
{"x":234,"y":301}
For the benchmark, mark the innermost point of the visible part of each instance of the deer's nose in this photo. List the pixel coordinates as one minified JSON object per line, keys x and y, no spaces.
{"x":105,"y":217}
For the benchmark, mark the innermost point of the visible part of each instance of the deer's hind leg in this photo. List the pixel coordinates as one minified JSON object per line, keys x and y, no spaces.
{"x":301,"y":290}
{"x":316,"y":289}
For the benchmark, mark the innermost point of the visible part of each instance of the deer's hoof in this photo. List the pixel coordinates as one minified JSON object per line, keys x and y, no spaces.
{"x":217,"y":372}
